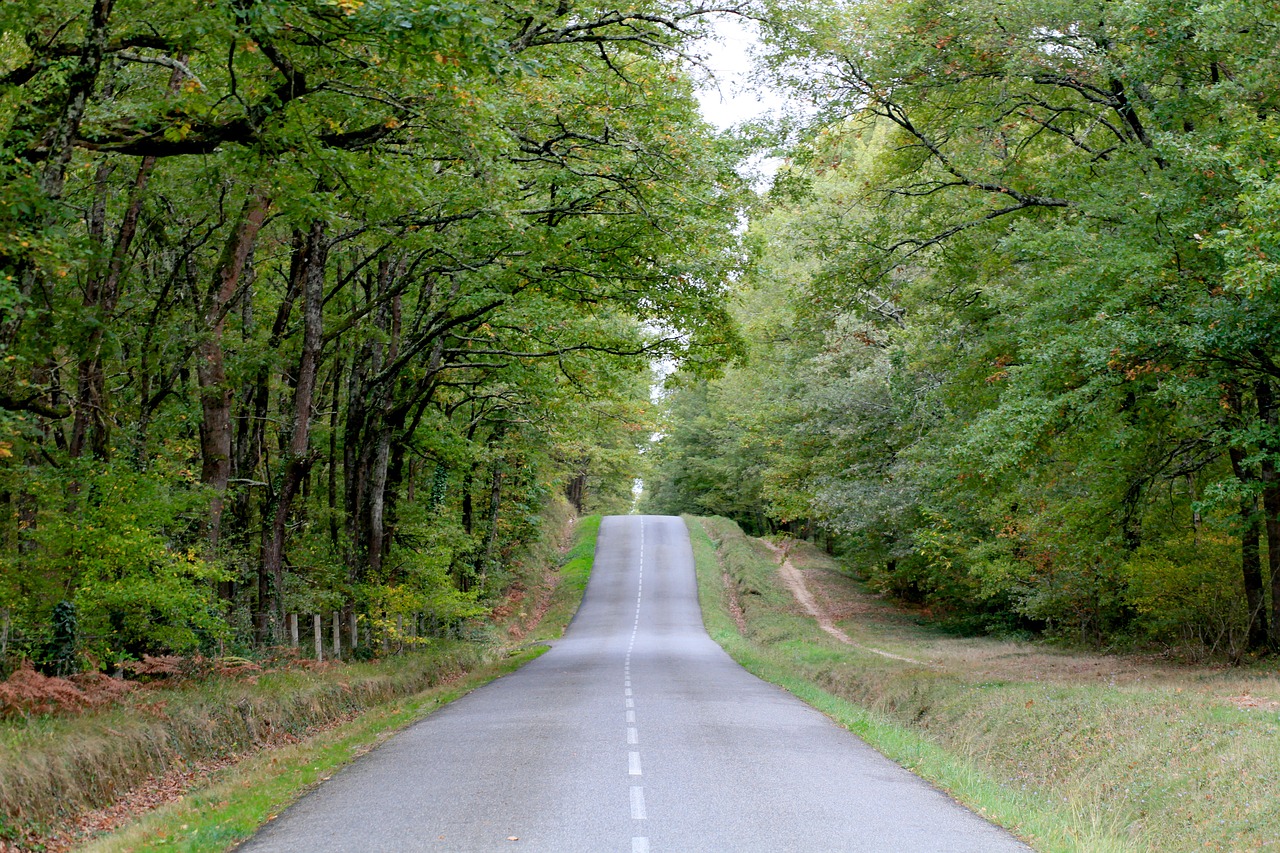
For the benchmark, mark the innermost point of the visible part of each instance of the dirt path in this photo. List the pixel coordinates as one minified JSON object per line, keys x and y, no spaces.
{"x":794,"y":579}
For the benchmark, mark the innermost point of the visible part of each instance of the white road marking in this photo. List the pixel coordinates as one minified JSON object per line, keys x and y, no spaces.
{"x":637,"y":803}
{"x":639,"y":844}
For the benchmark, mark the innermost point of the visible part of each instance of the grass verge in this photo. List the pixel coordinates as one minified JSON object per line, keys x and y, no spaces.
{"x":53,"y":768}
{"x":575,"y":570}
{"x":251,"y":793}
{"x":1067,"y":766}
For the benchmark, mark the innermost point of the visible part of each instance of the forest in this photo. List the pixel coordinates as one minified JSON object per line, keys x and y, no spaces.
{"x":314,"y":307}
{"x":1011,"y":316}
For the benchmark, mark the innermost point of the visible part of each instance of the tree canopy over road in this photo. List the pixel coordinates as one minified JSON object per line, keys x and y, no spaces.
{"x":310,"y":306}
{"x":1013,"y":316}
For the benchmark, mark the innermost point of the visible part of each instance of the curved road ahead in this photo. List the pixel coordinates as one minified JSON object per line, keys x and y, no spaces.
{"x":635,"y":732}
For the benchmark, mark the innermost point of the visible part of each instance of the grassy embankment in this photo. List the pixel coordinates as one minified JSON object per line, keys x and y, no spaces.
{"x":283,"y":732}
{"x":1070,"y":751}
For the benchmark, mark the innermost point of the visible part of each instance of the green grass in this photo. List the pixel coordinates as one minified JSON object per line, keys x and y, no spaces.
{"x":1067,"y":766}
{"x":575,"y":570}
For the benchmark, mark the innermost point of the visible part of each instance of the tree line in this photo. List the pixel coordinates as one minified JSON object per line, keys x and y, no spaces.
{"x":314,"y":306}
{"x":1012,"y":310}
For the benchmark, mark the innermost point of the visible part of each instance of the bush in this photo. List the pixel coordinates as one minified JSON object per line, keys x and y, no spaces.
{"x":1188,"y":593}
{"x":123,"y":544}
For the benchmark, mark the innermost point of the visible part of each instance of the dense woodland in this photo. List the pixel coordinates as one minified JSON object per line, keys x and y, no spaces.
{"x":1012,"y":317}
{"x":315,"y":306}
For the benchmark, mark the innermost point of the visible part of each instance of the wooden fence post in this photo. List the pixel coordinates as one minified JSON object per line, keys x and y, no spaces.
{"x":319,"y":638}
{"x":355,"y":631}
{"x":293,"y":630}
{"x":337,"y":635}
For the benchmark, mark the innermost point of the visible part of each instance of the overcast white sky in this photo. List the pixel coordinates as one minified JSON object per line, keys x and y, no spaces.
{"x":733,"y":99}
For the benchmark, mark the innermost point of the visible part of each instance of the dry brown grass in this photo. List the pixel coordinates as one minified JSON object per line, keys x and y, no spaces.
{"x":55,"y":768}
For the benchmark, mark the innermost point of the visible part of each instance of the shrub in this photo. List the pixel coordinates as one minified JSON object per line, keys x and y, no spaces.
{"x":1188,"y":593}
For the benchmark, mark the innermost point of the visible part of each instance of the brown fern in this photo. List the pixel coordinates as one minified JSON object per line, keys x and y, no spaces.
{"x":28,"y":692}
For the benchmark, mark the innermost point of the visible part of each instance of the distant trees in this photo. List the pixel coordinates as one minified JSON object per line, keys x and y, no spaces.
{"x":1032,"y":253}
{"x":313,"y":305}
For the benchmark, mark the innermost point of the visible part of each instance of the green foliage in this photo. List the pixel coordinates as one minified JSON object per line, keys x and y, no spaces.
{"x":1033,"y":337}
{"x":313,"y":307}
{"x":121,"y":546}
{"x":1188,"y":593}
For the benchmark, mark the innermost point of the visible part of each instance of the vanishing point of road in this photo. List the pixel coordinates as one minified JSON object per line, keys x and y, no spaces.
{"x":636,"y":732}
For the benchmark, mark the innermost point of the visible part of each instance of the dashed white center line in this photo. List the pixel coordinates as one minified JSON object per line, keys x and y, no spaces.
{"x":637,"y":803}
{"x":639,"y":844}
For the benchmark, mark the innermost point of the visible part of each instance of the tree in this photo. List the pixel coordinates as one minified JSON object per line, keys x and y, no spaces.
{"x":1036,"y":261}
{"x":355,"y":269}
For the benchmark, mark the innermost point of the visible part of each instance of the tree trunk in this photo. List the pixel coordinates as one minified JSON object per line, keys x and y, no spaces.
{"x":1250,"y":559}
{"x":468,"y":505}
{"x":298,"y":457}
{"x":373,"y":521}
{"x":1267,"y":413}
{"x":495,"y":504}
{"x":92,"y":419}
{"x":101,"y":295}
{"x":576,"y":490}
{"x":211,"y":373}
{"x":335,"y":408}
{"x":368,"y":434}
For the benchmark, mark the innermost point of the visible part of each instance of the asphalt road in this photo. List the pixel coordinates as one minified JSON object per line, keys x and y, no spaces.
{"x":634,"y":733}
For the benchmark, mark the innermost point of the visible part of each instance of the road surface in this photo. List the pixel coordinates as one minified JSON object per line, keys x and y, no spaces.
{"x":636,"y":732}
